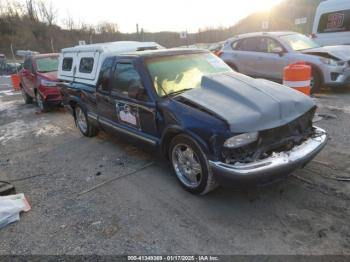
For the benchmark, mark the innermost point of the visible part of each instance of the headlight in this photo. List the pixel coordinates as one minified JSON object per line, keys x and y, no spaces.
{"x":44,"y":82}
{"x":332,"y":62}
{"x":241,"y":140}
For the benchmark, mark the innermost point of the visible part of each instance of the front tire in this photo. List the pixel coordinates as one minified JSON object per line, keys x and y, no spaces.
{"x":316,"y":81}
{"x":191,"y":166}
{"x":40,"y":102}
{"x":82,"y":122}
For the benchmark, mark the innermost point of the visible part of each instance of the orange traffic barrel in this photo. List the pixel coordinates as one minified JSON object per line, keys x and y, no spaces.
{"x":15,"y":82}
{"x":298,"y":77}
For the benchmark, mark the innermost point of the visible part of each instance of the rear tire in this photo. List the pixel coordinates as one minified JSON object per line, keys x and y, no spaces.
{"x":191,"y":165}
{"x":27,"y":99}
{"x":82,"y":122}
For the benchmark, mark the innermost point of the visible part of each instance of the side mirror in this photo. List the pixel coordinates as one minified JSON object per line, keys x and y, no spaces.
{"x":278,"y":50}
{"x":137,"y":91}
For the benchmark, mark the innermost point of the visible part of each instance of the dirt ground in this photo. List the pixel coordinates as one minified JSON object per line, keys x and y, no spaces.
{"x":148,"y":212}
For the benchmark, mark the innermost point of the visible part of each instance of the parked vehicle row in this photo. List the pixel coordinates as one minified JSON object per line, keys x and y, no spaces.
{"x":8,"y":68}
{"x":213,"y":124}
{"x":265,"y":55}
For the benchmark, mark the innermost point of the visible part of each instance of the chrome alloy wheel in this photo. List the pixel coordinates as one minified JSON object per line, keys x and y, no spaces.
{"x":186,"y":165}
{"x":81,"y":119}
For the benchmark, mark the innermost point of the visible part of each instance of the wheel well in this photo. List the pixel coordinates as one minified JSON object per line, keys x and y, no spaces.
{"x":73,"y":105}
{"x":166,"y":141}
{"x":319,"y":72}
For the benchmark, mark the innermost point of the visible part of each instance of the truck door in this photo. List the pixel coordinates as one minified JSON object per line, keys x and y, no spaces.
{"x":130,"y":109}
{"x":103,"y":98}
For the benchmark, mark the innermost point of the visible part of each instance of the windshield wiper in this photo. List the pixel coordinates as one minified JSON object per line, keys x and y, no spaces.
{"x":180,"y":91}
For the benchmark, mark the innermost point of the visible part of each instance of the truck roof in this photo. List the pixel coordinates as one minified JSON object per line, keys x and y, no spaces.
{"x":112,"y":47}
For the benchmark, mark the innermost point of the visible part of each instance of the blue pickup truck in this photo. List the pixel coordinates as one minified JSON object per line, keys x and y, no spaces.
{"x":215,"y":126}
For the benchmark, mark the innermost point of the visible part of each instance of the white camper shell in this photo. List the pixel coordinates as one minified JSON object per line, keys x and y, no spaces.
{"x":332,"y":23}
{"x":82,"y":63}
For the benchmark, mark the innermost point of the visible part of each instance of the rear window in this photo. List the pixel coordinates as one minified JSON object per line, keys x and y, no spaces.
{"x":67,"y":64}
{"x":86,"y":65}
{"x":47,"y":64}
{"x":334,"y":22}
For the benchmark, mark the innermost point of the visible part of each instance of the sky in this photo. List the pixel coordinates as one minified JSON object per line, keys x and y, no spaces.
{"x":160,"y":15}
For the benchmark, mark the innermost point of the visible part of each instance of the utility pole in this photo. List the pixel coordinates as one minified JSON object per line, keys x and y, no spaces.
{"x":142,"y":35}
{"x":53,"y":50}
{"x":137,"y":32}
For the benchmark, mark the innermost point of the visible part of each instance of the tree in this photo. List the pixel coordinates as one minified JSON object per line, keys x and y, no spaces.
{"x":47,"y":12}
{"x":31,"y":10}
{"x":69,"y":22}
{"x":107,"y":28}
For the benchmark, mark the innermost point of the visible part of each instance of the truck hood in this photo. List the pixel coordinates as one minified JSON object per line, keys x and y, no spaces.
{"x":341,"y":52}
{"x":248,"y":104}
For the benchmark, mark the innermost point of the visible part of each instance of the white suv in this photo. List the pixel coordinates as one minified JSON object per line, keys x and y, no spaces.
{"x":266,"y":54}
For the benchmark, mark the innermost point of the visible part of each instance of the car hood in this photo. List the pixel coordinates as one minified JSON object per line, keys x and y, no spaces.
{"x":341,"y":52}
{"x":248,"y":104}
{"x":49,"y":75}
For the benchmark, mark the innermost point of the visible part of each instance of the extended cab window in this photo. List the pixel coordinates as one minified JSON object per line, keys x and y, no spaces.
{"x":105,"y":74}
{"x":334,"y":22}
{"x":86,"y":65}
{"x":125,"y":76}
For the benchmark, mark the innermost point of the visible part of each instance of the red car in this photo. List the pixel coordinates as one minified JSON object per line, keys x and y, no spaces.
{"x":39,"y":80}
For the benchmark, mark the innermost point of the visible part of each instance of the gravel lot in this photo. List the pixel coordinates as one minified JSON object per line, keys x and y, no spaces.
{"x":148,"y":212}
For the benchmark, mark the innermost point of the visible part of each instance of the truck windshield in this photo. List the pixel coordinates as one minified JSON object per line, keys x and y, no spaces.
{"x":47,"y":64}
{"x":299,"y":42}
{"x":178,"y":73}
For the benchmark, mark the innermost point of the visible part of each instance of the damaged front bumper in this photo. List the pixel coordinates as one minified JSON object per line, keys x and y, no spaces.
{"x":273,"y":168}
